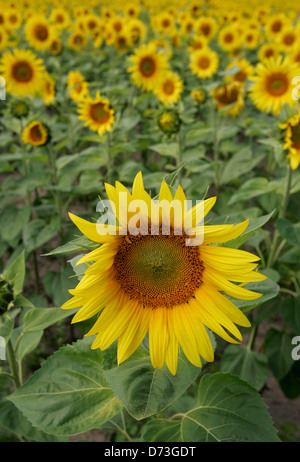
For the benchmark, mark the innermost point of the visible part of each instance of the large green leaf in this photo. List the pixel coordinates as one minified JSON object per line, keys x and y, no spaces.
{"x":241,"y":162}
{"x":247,"y":364}
{"x":278,"y":348}
{"x":145,"y":391}
{"x":69,"y":393}
{"x":268,"y":288}
{"x":41,"y":318}
{"x":228,"y":409}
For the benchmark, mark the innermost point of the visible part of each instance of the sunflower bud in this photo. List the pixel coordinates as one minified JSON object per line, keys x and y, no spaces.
{"x":169,"y":121}
{"x":19,"y":108}
{"x":6,"y":295}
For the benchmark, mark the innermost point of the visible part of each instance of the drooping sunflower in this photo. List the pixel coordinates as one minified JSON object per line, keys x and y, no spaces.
{"x":204,"y":63}
{"x":146,"y":280}
{"x":169,"y":88}
{"x":35,"y":134}
{"x":230,"y":96}
{"x":272,"y":85}
{"x":39,"y":33}
{"x":77,"y":86}
{"x":22,"y":71}
{"x":292,"y":140}
{"x":96,"y":113}
{"x":148,"y":66}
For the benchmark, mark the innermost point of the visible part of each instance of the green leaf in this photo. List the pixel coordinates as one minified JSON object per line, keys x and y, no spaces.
{"x":13,"y":221}
{"x":289,"y":231}
{"x":228,"y":409}
{"x":240,"y":163}
{"x":13,"y":421}
{"x":166,"y":149}
{"x":36,"y":233}
{"x":77,"y":245}
{"x":40,"y":318}
{"x":14,"y":274}
{"x":57,"y":285}
{"x":268,"y":288}
{"x":247,"y":364}
{"x":254,"y":225}
{"x":252,"y":188}
{"x":69,"y":393}
{"x":290,"y":311}
{"x":145,"y":391}
{"x":290,"y":384}
{"x":278,"y":348}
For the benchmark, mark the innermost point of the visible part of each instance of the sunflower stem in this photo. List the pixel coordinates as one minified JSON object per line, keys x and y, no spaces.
{"x":274,"y":251}
{"x":13,"y":363}
{"x":109,"y":159}
{"x":57,"y":197}
{"x":252,"y":337}
{"x":179,"y":158}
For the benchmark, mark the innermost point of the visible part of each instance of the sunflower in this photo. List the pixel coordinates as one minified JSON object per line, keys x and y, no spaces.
{"x":60,"y":18}
{"x":244,"y":70}
{"x":272,"y":85}
{"x":39,"y":33}
{"x":275,"y":24}
{"x":197,"y":43}
{"x":169,"y":88}
{"x":204,"y":63}
{"x":206,"y":26}
{"x":229,"y":38}
{"x":77,"y":86}
{"x":148,"y":66}
{"x":97,"y":114}
{"x":198,"y":95}
{"x":288,"y":39}
{"x":35,"y":134}
{"x":136,"y":30}
{"x":13,"y":18}
{"x":48,"y":90}
{"x":268,"y":50}
{"x":3,"y":39}
{"x":251,"y":38}
{"x":56,"y":47}
{"x":292,"y":140}
{"x":77,"y":40}
{"x":151,"y":281}
{"x":230,"y":95}
{"x":169,"y":121}
{"x":22,"y":71}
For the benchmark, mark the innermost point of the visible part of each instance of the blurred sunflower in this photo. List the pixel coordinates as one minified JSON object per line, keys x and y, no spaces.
{"x":156,"y":283}
{"x":35,"y":134}
{"x":169,"y":88}
{"x":268,"y":50}
{"x":204,"y":63}
{"x":55,"y":46}
{"x":229,"y":38}
{"x":230,"y":96}
{"x":3,"y":39}
{"x":288,"y":40}
{"x":136,"y":30}
{"x":39,"y":33}
{"x":22,"y":71}
{"x":60,"y":18}
{"x":244,"y":70}
{"x":272,"y":85}
{"x":292,"y":140}
{"x":13,"y":18}
{"x":48,"y":90}
{"x":96,"y":113}
{"x":77,"y":86}
{"x":206,"y":26}
{"x":275,"y":24}
{"x":148,"y":66}
{"x":77,"y":40}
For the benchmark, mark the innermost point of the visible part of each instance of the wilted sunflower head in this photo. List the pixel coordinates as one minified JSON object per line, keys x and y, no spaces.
{"x":229,"y":97}
{"x":149,"y":275}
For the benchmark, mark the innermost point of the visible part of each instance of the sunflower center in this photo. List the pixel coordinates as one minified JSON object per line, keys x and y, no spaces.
{"x":205,"y":29}
{"x":204,"y":62}
{"x":228,"y":38}
{"x":289,"y":39}
{"x":22,"y":71}
{"x":168,"y":87}
{"x":240,"y":76}
{"x":296,"y":136}
{"x":158,"y":270}
{"x":35,"y":133}
{"x":269,"y":52}
{"x":277,"y":84}
{"x":99,"y":113}
{"x":277,"y":25}
{"x":41,"y":32}
{"x":147,"y":66}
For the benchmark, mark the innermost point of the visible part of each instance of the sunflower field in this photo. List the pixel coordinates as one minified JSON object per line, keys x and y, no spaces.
{"x":150,"y":221}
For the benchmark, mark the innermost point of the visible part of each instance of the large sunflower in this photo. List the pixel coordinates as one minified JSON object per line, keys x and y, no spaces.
{"x":148,"y":66}
{"x":272,"y":86}
{"x":204,"y":63}
{"x":97,"y":113}
{"x":292,"y":140}
{"x":22,"y":71}
{"x":147,"y":280}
